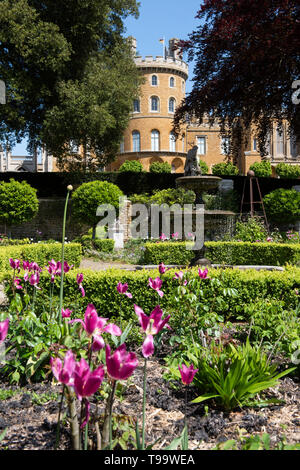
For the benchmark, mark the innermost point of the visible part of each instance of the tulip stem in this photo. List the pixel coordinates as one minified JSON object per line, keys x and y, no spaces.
{"x":58,"y":419}
{"x":63,"y":254}
{"x":107,"y":425}
{"x":73,"y":420}
{"x":144,"y":403}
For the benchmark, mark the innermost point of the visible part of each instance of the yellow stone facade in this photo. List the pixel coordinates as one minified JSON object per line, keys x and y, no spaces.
{"x":147,"y":137}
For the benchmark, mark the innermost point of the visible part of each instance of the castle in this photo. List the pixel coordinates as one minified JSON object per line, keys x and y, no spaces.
{"x":149,"y":138}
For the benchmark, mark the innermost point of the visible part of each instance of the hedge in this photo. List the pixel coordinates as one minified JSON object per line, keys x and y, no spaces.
{"x":100,"y":289}
{"x":233,"y":253}
{"x":41,"y":253}
{"x":105,"y":245}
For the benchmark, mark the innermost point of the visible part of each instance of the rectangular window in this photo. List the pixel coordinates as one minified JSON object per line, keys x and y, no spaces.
{"x":279,"y":142}
{"x":201,"y":144}
{"x":255,"y":144}
{"x":122,"y":145}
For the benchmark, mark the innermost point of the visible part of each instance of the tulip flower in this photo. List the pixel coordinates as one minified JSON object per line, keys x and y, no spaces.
{"x":64,"y":373}
{"x":17,"y":283}
{"x":79,"y":280}
{"x":66,"y":313}
{"x":163,"y":237}
{"x":34,"y":280}
{"x":3,"y":329}
{"x":156,"y":285}
{"x":203,"y":274}
{"x":15,"y":264}
{"x":175,"y":235}
{"x":121,"y":364}
{"x":87,"y":382}
{"x":162,"y":269}
{"x":95,"y":326}
{"x":151,"y":326}
{"x":187,"y":374}
{"x":122,"y":289}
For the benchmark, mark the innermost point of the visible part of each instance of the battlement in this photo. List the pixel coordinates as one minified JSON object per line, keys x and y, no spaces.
{"x":160,"y":62}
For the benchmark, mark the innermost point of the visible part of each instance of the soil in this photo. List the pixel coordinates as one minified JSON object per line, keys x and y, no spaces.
{"x":31,"y":425}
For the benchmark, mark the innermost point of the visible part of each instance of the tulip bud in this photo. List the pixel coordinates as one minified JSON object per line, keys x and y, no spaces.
{"x":70,"y":187}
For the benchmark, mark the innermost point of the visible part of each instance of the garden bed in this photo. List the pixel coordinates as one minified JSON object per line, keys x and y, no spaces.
{"x":30,"y":414}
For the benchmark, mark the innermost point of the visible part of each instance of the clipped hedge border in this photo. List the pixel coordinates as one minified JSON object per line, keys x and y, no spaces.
{"x":105,"y":245}
{"x":41,"y":253}
{"x":233,"y":253}
{"x":101,"y":290}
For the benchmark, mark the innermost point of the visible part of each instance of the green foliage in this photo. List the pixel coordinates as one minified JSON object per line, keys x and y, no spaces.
{"x":87,"y":198}
{"x":104,"y":245}
{"x":101,"y":290}
{"x":283,"y":205}
{"x":256,"y":442}
{"x":203,"y":167}
{"x":131,"y":165}
{"x":18,"y":202}
{"x":232,"y":253}
{"x":262,"y":169}
{"x":231,"y":375}
{"x":225,"y":169}
{"x":160,"y":167}
{"x":5,"y":241}
{"x":41,"y":253}
{"x":250,"y":231}
{"x":172,"y":196}
{"x":286,"y":170}
{"x":68,"y":80}
{"x":228,"y":201}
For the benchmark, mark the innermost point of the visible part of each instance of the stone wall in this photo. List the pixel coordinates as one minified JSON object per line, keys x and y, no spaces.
{"x":48,"y":221}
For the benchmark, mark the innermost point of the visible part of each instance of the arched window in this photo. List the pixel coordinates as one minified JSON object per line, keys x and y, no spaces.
{"x":154,"y":103}
{"x":279,"y":141}
{"x":172,"y":82}
{"x":136,"y":106}
{"x":172,"y":142}
{"x":154,"y":80}
{"x":172,"y":105}
{"x":155,"y":140}
{"x":136,"y":146}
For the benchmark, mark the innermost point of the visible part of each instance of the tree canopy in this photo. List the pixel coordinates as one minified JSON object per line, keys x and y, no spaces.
{"x":246,"y":56}
{"x":69,"y":73}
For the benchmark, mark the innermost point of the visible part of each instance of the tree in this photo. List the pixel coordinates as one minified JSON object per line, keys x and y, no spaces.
{"x":18,"y":202}
{"x":49,"y":55}
{"x":247,"y":58}
{"x":131,"y":165}
{"x":87,"y":197}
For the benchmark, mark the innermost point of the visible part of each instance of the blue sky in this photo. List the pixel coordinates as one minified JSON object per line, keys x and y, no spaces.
{"x":158,"y":19}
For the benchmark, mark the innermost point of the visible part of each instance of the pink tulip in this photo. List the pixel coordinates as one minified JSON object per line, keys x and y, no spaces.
{"x":203,"y":274}
{"x":162,"y":269}
{"x":122,"y":289}
{"x":180,"y":275}
{"x":121,"y":364}
{"x":156,"y":285}
{"x":15,"y":264}
{"x":64,"y":373}
{"x":175,"y":235}
{"x":17,"y":283}
{"x":3,"y":329}
{"x":187,"y":374}
{"x":151,"y":326}
{"x":79,"y":280}
{"x":66,"y":313}
{"x":34,"y":280}
{"x":163,"y":237}
{"x":87,"y":382}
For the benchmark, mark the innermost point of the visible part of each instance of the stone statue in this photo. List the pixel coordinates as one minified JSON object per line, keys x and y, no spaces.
{"x":192,"y":167}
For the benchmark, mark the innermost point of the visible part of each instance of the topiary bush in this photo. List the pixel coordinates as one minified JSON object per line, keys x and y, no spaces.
{"x":262,"y":169}
{"x":160,"y":167}
{"x":250,"y":231}
{"x":225,"y":169}
{"x":283,"y":205}
{"x":203,"y":167}
{"x":18,"y":202}
{"x":286,"y":170}
{"x":131,"y":165}
{"x":87,"y":198}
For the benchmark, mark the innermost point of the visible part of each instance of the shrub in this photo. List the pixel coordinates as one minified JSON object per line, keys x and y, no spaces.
{"x":172,"y":196}
{"x":89,"y":196}
{"x":131,"y":165}
{"x":104,"y":245}
{"x":286,"y":170}
{"x":251,"y":230}
{"x":18,"y":202}
{"x":160,"y":167}
{"x":262,"y":169}
{"x":41,"y":253}
{"x":225,"y":169}
{"x":203,"y":167}
{"x":283,"y":205}
{"x":232,"y":253}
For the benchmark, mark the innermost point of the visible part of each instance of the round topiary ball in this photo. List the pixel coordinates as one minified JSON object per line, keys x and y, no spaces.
{"x":18,"y":202}
{"x":131,"y":165}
